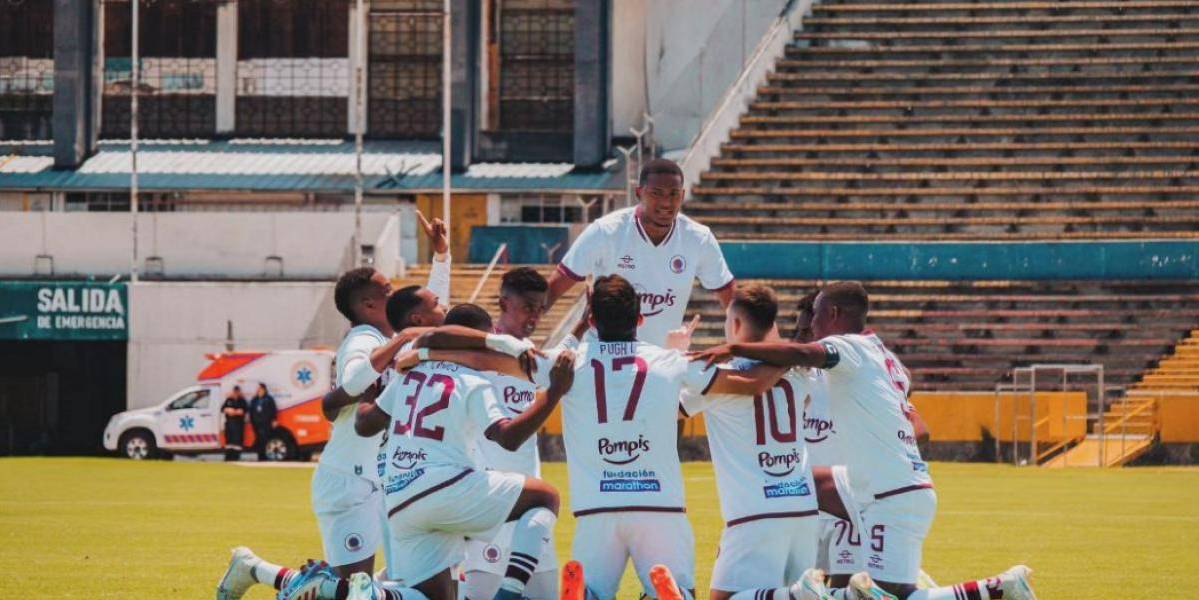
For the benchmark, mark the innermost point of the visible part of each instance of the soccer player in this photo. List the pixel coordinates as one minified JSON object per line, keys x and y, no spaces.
{"x":770,"y":490}
{"x":522,"y":304}
{"x":655,"y":247}
{"x":879,"y":447}
{"x":346,"y":493}
{"x":621,"y":446}
{"x":435,"y":496}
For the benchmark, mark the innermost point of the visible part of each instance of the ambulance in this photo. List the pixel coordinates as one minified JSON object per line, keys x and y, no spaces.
{"x":190,"y":421}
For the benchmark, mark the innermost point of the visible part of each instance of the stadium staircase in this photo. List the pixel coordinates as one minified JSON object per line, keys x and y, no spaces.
{"x":1008,"y":120}
{"x":1178,"y":372}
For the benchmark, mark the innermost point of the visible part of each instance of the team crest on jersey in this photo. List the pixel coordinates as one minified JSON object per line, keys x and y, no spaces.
{"x":678,"y":264}
{"x":353,"y":542}
{"x":491,"y":553}
{"x":626,"y":262}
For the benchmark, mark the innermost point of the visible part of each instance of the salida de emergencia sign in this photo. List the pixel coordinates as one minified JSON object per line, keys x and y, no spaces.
{"x":54,"y":310}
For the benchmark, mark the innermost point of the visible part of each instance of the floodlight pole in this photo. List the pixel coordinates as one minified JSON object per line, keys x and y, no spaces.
{"x":446,"y":116}
{"x":135,"y":81}
{"x":359,"y":90}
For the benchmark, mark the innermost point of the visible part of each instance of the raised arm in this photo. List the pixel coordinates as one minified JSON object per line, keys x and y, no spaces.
{"x":559,"y":284}
{"x":510,"y":434}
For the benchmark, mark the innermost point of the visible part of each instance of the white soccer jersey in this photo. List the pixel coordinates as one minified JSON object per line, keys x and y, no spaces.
{"x":868,"y":407}
{"x":758,"y":449}
{"x":662,"y":274}
{"x":514,"y":395}
{"x":436,"y":409}
{"x":619,"y":426}
{"x":346,"y":450}
{"x":819,"y":432}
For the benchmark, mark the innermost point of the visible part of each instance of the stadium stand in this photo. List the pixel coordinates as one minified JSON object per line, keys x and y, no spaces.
{"x":968,"y":335}
{"x":973,"y":121}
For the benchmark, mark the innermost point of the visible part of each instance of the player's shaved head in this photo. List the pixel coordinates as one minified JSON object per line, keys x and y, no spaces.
{"x":615,"y":309}
{"x":658,"y":166}
{"x":469,"y":315}
{"x":757,"y":306}
{"x":840,"y":308}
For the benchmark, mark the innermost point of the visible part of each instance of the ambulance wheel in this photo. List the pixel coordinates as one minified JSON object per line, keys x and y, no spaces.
{"x":279,"y":447}
{"x":138,"y":444}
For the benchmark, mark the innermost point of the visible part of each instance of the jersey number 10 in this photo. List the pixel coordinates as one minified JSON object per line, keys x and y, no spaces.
{"x":764,"y":404}
{"x":601,"y":394}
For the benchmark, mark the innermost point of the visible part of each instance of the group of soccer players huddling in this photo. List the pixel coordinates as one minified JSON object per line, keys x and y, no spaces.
{"x":433,"y":454}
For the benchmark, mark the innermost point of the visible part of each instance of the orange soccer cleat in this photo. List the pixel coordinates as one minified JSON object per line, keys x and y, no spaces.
{"x":664,"y":583}
{"x":573,"y":587}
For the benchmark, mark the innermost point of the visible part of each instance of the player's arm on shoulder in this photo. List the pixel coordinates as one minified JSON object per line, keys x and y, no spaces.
{"x":819,"y":355}
{"x":370,"y":418}
{"x":751,"y":382}
{"x":510,"y":434}
{"x":457,"y":337}
{"x":483,"y":360}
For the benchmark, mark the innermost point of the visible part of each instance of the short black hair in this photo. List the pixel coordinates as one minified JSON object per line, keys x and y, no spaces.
{"x":849,"y":296}
{"x":522,"y":280}
{"x":469,"y":315}
{"x":237,"y":388}
{"x":349,"y":289}
{"x":807,"y":304}
{"x":759,"y":304}
{"x":401,"y":304}
{"x":658,"y":166}
{"x":615,"y":307}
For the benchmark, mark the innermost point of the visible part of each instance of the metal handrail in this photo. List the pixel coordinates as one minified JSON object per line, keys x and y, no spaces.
{"x":487,"y":272}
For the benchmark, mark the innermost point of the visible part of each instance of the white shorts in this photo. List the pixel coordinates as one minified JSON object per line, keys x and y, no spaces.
{"x":350,"y":514}
{"x":766,"y":553}
{"x":605,"y":542}
{"x":894,"y":530}
{"x":491,"y":555}
{"x":428,"y":531}
{"x":840,"y":545}
{"x":480,"y":585}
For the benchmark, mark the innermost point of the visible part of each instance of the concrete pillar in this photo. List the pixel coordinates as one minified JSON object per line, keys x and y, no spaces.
{"x":359,"y":53}
{"x":591,"y":133}
{"x":75,"y":48}
{"x":226,"y":67}
{"x":464,"y":98}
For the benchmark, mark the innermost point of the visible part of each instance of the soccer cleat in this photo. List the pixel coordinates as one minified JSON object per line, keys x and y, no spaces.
{"x":239,"y":577}
{"x":362,"y":587}
{"x":1015,"y":585}
{"x":307,"y":585}
{"x":664,"y":584}
{"x":862,"y":587}
{"x":810,"y":586}
{"x":573,"y":586}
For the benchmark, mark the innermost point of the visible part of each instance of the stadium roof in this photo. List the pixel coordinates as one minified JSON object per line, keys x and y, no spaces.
{"x":283,"y":165}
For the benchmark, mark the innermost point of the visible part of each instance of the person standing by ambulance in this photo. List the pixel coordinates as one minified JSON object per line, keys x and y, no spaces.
{"x":235,"y":424}
{"x":264,"y":416}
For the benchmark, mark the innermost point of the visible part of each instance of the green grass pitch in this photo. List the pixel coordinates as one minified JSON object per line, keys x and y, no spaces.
{"x":112,"y":528}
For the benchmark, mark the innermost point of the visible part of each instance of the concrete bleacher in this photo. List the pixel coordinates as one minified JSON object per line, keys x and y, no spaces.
{"x":968,"y":335}
{"x":983,"y":120}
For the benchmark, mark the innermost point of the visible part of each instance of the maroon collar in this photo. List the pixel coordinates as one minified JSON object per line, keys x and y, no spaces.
{"x":645,"y":236}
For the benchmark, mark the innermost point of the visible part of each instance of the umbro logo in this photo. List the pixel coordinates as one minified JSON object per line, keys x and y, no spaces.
{"x":626,"y":262}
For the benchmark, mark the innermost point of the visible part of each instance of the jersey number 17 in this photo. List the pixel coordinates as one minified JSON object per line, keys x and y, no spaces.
{"x":623,"y":363}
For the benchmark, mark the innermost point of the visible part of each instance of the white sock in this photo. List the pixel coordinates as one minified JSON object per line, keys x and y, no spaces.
{"x":534,"y":530}
{"x":271,"y":574}
{"x":983,"y":589}
{"x":763,"y":594}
